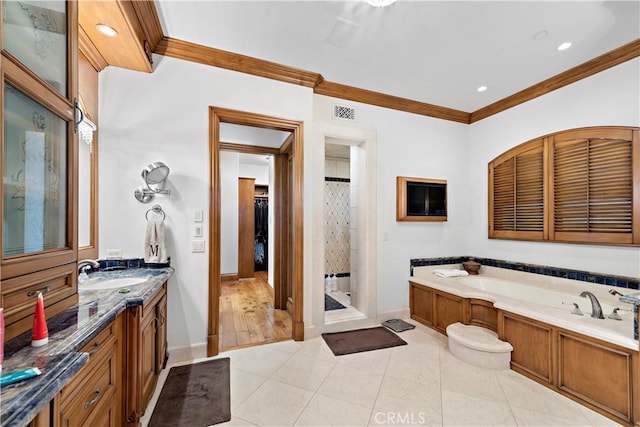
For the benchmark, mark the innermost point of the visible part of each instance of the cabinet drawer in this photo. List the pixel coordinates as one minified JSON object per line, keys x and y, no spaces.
{"x":18,"y":295}
{"x":86,"y":393}
{"x":99,"y":346}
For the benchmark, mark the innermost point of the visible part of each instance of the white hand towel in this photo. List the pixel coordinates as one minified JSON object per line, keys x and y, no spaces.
{"x":155,"y":249}
{"x":441,"y":272}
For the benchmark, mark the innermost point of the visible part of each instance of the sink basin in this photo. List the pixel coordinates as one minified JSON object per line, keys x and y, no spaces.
{"x":115,"y":283}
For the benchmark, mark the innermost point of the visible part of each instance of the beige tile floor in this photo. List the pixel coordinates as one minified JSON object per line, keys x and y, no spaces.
{"x":303,"y":384}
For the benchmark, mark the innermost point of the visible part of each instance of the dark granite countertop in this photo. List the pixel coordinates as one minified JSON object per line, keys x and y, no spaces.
{"x":60,"y":359}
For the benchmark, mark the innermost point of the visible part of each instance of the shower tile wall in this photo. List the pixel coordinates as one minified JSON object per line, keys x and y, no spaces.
{"x":337,"y":214}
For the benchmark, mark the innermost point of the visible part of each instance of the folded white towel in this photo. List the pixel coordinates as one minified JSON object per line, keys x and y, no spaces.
{"x":441,"y":272}
{"x":155,"y":249}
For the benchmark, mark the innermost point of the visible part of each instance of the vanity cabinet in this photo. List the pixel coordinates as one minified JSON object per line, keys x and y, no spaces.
{"x":93,"y":397}
{"x":146,"y":353}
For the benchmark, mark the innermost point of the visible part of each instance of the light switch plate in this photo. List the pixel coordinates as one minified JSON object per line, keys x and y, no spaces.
{"x":198,"y":230}
{"x":197,"y":246}
{"x":197,"y":216}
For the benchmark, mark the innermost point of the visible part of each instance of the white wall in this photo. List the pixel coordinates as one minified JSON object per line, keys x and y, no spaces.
{"x":259,"y":172}
{"x":164,"y":116}
{"x":408,"y":145}
{"x":229,"y":167}
{"x":611,"y":97}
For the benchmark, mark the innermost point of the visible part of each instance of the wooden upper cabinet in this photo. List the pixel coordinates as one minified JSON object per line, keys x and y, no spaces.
{"x":138,"y":32}
{"x":580,"y":186}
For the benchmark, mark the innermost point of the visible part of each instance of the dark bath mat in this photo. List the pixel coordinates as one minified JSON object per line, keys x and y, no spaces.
{"x":361,"y":340}
{"x":197,"y":395}
{"x":331,"y":304}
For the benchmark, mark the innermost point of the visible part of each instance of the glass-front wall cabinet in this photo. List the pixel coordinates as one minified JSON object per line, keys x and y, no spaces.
{"x":35,"y":33}
{"x":35,"y":177}
{"x":39,"y":156}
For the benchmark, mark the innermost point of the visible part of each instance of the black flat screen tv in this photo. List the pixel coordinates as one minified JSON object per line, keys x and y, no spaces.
{"x":421,"y":199}
{"x":425,"y":199}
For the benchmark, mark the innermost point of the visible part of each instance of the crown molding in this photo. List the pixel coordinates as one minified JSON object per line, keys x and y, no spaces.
{"x":610,"y":59}
{"x":245,"y":64}
{"x":232,"y":61}
{"x":365,"y":96}
{"x":148,"y":16}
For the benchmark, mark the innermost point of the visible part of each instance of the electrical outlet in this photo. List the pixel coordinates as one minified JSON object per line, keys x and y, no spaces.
{"x":197,"y":246}
{"x":114,"y":253}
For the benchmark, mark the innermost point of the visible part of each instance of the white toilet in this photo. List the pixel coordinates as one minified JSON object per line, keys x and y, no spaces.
{"x":479,"y":346}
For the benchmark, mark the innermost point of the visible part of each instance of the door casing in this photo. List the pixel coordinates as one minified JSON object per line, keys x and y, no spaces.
{"x":291,"y":255}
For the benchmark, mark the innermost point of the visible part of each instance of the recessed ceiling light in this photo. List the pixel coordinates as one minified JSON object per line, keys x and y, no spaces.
{"x":107,"y":30}
{"x":482,"y":88}
{"x":380,"y":3}
{"x":540,"y":35}
{"x":565,"y":46}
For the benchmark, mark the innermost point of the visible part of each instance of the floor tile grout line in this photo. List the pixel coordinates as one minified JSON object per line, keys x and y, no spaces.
{"x":384,"y":374}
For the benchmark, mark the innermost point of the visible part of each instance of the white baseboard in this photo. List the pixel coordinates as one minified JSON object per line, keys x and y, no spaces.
{"x":396,"y":314}
{"x":187,"y":353}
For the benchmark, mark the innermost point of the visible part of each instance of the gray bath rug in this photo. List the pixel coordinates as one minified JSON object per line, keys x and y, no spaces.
{"x":197,"y":395}
{"x":360,"y":340}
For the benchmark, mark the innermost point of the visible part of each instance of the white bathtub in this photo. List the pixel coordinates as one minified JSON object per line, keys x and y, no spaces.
{"x":535,"y":294}
{"x":547,"y":299}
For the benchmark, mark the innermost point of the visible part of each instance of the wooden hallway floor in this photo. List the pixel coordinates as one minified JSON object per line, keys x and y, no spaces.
{"x":247,"y":316}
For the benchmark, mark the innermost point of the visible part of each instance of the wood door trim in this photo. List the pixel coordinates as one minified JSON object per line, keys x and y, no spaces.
{"x":248,"y":149}
{"x":223,"y":115}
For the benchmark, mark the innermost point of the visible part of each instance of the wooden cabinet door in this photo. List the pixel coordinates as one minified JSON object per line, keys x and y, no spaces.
{"x":447,"y":309}
{"x":598,"y":374}
{"x":532,"y":346}
{"x":421,"y":303}
{"x":161,"y":335}
{"x":147,"y":360}
{"x":246,"y":227}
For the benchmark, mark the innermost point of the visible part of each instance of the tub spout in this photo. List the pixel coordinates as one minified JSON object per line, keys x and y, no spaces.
{"x":596,"y":309}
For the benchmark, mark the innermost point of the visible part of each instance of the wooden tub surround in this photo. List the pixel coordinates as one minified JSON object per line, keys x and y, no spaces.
{"x":564,"y":352}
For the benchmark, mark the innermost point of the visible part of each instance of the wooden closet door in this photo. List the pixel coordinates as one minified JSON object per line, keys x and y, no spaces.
{"x":246,"y":227}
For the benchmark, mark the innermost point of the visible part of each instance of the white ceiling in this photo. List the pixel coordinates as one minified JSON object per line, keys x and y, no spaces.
{"x":437,"y":52}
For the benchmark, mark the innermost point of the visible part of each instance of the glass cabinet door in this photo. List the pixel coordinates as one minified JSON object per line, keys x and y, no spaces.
{"x":35,"y":177}
{"x":35,"y":33}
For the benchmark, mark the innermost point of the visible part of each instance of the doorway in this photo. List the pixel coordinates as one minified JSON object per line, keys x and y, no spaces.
{"x":248,"y":315}
{"x":288,"y":245}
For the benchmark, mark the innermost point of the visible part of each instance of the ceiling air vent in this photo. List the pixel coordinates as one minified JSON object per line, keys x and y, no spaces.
{"x":343,"y":112}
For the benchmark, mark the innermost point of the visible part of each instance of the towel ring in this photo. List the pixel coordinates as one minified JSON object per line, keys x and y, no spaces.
{"x":155,"y":209}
